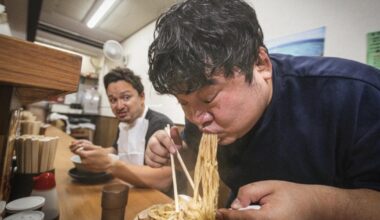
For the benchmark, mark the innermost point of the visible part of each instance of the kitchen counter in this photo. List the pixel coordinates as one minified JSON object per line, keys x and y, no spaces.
{"x":83,"y":201}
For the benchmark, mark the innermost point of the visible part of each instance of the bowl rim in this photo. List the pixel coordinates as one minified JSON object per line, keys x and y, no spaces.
{"x":76,"y":159}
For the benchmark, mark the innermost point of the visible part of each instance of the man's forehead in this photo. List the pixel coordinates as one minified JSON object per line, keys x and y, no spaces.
{"x":213,"y":82}
{"x":119,"y":93}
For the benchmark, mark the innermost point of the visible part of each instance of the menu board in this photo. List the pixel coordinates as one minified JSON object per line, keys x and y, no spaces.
{"x":373,"y":49}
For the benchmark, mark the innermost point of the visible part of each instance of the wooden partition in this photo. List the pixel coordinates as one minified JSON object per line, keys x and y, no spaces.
{"x":29,"y":73}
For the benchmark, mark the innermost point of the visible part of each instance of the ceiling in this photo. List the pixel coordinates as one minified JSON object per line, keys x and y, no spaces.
{"x":62,"y":23}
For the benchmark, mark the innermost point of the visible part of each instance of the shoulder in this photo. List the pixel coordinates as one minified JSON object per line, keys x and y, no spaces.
{"x":325,"y":67}
{"x":156,"y":116}
{"x":157,"y":120}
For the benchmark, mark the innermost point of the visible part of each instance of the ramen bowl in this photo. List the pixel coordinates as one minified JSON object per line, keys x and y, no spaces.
{"x":78,"y":164}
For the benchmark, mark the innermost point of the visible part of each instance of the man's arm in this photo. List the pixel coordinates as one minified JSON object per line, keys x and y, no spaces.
{"x":356,"y":204}
{"x":96,"y":159}
{"x":142,"y":176}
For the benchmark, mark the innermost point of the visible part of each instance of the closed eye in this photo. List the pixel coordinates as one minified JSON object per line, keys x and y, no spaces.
{"x":182,"y":103}
{"x":210,"y":99}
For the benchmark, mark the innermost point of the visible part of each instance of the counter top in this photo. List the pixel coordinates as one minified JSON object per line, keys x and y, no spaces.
{"x":83,"y":201}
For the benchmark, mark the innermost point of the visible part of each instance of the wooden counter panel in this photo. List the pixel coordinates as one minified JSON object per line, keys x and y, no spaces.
{"x":29,"y":64}
{"x":83,"y":201}
{"x":27,"y":95}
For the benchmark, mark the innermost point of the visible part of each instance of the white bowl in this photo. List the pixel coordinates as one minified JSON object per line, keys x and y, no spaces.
{"x":78,"y":163}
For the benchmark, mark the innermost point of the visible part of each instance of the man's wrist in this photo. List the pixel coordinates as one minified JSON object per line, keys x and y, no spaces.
{"x":113,"y":164}
{"x":330,"y":202}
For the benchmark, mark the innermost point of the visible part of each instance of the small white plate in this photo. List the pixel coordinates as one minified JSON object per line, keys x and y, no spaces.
{"x":25,"y":204}
{"x":2,"y":207}
{"x":27,"y":215}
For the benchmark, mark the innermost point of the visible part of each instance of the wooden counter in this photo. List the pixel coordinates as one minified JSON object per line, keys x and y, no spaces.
{"x":83,"y":201}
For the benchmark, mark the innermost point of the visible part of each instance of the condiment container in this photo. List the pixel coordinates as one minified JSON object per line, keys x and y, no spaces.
{"x":44,"y":185}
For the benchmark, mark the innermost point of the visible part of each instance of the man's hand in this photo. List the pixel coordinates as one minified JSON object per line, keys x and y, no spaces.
{"x":286,"y":200}
{"x":79,"y":145}
{"x":278,"y":200}
{"x":93,"y":157}
{"x":160,"y":145}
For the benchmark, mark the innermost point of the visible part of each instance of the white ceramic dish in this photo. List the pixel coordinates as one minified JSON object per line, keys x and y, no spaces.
{"x":2,"y":207}
{"x":25,"y":204}
{"x":27,"y":215}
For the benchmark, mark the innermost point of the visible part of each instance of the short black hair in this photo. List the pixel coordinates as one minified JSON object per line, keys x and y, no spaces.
{"x":195,"y":38}
{"x":124,"y":74}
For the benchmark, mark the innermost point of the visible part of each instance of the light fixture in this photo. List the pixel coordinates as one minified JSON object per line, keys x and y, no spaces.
{"x":100,"y":12}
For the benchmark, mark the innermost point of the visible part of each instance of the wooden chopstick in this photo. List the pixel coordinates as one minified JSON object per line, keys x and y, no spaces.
{"x":183,"y":165}
{"x":167,"y":129}
{"x":174,"y":184}
{"x":185,"y":169}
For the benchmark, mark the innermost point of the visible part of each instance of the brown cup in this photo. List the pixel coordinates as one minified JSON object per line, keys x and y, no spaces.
{"x":114,"y":200}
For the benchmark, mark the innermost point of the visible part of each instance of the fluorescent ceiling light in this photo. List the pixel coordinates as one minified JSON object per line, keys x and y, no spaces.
{"x":100,"y":12}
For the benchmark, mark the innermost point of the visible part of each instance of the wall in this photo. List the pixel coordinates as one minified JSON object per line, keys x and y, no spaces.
{"x":136,"y":48}
{"x":347,"y":23}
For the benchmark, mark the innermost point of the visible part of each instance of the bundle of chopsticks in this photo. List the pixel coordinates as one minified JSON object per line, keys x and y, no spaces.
{"x":35,"y":153}
{"x":29,"y":123}
{"x":176,"y":199}
{"x":30,"y":127}
{"x":27,"y":116}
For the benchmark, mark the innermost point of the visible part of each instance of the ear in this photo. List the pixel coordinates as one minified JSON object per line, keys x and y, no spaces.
{"x":142,"y":96}
{"x":263,"y":65}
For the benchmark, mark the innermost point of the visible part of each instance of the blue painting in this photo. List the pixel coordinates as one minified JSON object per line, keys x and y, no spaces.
{"x":308,"y":43}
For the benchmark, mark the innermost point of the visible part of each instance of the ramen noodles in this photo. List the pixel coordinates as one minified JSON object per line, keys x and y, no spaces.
{"x":203,"y":204}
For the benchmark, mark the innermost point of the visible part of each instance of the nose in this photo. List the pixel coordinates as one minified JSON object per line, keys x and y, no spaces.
{"x":203,"y":118}
{"x":119,"y":104}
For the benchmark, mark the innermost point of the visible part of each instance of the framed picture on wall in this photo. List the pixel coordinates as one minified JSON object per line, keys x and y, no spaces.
{"x":307,"y":43}
{"x":373,"y":49}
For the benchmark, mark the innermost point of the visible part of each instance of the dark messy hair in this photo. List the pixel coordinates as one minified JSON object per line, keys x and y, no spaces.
{"x":195,"y":39}
{"x":124,"y":74}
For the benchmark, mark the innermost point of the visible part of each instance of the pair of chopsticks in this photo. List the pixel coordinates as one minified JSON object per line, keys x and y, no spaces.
{"x":167,"y":129}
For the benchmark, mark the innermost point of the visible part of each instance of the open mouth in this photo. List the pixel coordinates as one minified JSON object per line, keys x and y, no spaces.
{"x":121,"y":114}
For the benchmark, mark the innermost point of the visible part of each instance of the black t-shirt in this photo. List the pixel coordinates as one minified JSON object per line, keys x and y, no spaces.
{"x":321,"y":127}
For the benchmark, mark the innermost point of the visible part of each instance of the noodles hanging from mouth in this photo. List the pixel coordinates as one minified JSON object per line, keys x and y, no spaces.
{"x":203,"y":204}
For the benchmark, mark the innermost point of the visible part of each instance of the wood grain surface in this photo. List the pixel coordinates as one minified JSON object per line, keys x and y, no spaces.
{"x":83,"y":201}
{"x":36,"y":71}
